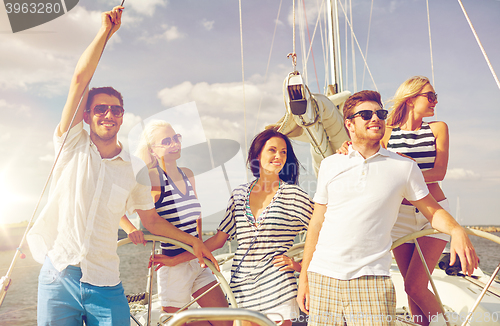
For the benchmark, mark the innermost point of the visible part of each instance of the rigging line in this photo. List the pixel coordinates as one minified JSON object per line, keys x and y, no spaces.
{"x":359,"y":48}
{"x":367,"y":42}
{"x":430,"y":42}
{"x":480,"y":45}
{"x":346,"y":25}
{"x":3,"y":291}
{"x":310,"y":42}
{"x":243,"y":80}
{"x":267,"y":67}
{"x":353,"y":51}
{"x":324,"y":49}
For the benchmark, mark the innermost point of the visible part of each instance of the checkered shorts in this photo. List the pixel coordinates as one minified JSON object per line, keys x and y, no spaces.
{"x":367,"y":300}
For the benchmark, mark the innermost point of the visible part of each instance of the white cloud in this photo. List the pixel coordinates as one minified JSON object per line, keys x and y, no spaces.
{"x":47,"y":158}
{"x":129,"y":121}
{"x":146,"y":7}
{"x":46,"y":55}
{"x":170,"y":33}
{"x":208,"y":25}
{"x":461,"y":174}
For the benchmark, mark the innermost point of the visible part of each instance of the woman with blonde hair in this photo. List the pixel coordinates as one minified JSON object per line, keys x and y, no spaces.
{"x":427,"y":143}
{"x":174,"y":194}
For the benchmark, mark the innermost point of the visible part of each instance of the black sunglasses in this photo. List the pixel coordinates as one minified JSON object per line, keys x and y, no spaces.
{"x":102,"y":109}
{"x":431,"y":96}
{"x":368,"y":114}
{"x":166,"y":142}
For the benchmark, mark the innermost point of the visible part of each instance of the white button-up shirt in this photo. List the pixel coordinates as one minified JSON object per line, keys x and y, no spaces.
{"x":88,"y":196}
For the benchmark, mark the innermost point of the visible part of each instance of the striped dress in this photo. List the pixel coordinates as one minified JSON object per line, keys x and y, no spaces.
{"x":255,"y":282}
{"x":182,"y":210}
{"x":418,"y":144}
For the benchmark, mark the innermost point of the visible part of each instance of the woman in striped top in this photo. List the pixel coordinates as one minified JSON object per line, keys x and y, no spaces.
{"x":265,"y":215}
{"x":173,"y":190}
{"x":427,"y":144}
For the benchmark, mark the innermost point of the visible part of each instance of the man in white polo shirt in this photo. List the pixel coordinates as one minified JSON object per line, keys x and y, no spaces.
{"x":347,"y":251}
{"x":93,"y":186}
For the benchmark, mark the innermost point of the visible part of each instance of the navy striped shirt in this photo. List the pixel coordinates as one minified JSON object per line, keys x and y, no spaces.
{"x":182,"y":210}
{"x":418,"y":144}
{"x":255,"y":282}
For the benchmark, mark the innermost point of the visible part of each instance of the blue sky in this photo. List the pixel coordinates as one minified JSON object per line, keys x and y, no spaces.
{"x":170,"y":53}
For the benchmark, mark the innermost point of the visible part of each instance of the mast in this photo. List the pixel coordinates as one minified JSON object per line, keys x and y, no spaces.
{"x":334,"y":46}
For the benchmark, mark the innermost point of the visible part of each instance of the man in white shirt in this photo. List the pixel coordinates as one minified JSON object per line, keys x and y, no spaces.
{"x":93,"y":186}
{"x":347,"y":251}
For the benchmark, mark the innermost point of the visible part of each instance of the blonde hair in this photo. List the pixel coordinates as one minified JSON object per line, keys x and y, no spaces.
{"x":406,"y":91}
{"x":144,"y":150}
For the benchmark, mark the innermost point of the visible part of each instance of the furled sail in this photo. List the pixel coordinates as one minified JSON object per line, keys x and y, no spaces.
{"x":313,"y":118}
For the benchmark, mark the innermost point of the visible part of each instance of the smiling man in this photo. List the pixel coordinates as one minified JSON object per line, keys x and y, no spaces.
{"x":347,"y":251}
{"x":93,"y":186}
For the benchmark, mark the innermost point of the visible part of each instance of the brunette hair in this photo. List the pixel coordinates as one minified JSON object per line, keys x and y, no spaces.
{"x":102,"y":90}
{"x":356,"y":98}
{"x":290,"y":171}
{"x":406,"y":91}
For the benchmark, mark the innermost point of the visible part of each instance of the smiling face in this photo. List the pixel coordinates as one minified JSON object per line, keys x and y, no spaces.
{"x":420,"y":104}
{"x":103,"y":128}
{"x":169,"y":153}
{"x":272,"y":158}
{"x":364,"y":131}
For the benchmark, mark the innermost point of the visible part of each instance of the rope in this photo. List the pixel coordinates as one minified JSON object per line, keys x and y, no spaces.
{"x":267,"y":67}
{"x":359,"y":48}
{"x":480,"y":45}
{"x":293,"y":54}
{"x":367,"y":42}
{"x":353,"y":51}
{"x":430,"y":41}
{"x":310,"y":42}
{"x":243,"y":80}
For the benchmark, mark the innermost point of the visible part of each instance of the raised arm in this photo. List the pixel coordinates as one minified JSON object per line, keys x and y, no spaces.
{"x":86,"y":67}
{"x":310,"y":246}
{"x":442,"y":220}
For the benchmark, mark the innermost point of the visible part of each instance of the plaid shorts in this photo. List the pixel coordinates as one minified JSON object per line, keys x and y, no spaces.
{"x":367,"y":300}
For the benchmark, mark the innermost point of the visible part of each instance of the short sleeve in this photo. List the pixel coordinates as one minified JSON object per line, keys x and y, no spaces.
{"x":228,"y":223}
{"x":304,"y":206}
{"x":416,"y":188}
{"x":321,"y":195}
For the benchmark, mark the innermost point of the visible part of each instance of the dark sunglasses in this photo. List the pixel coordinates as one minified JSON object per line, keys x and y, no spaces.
{"x":166,"y":142}
{"x":368,"y":114}
{"x":102,"y":109}
{"x":431,"y":96}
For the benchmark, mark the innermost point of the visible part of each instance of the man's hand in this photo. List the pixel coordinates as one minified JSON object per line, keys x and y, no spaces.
{"x":303,"y":293}
{"x":201,"y":251}
{"x":461,"y":245}
{"x":137,"y":237}
{"x":112,"y":20}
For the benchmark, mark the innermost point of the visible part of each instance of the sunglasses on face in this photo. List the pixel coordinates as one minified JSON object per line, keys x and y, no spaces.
{"x":368,"y":114}
{"x":431,"y":96}
{"x":101,"y":110}
{"x":166,"y":142}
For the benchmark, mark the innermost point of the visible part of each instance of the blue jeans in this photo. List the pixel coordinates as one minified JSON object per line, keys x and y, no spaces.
{"x":64,"y":300}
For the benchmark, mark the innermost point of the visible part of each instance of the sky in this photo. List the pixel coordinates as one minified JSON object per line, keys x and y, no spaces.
{"x":182,"y":61}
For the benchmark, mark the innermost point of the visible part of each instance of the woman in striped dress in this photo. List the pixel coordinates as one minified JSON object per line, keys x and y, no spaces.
{"x":427,"y":143}
{"x":265,"y":215}
{"x":174,"y":193}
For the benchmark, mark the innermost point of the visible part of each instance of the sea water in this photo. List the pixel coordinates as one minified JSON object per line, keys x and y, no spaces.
{"x":19,"y":306}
